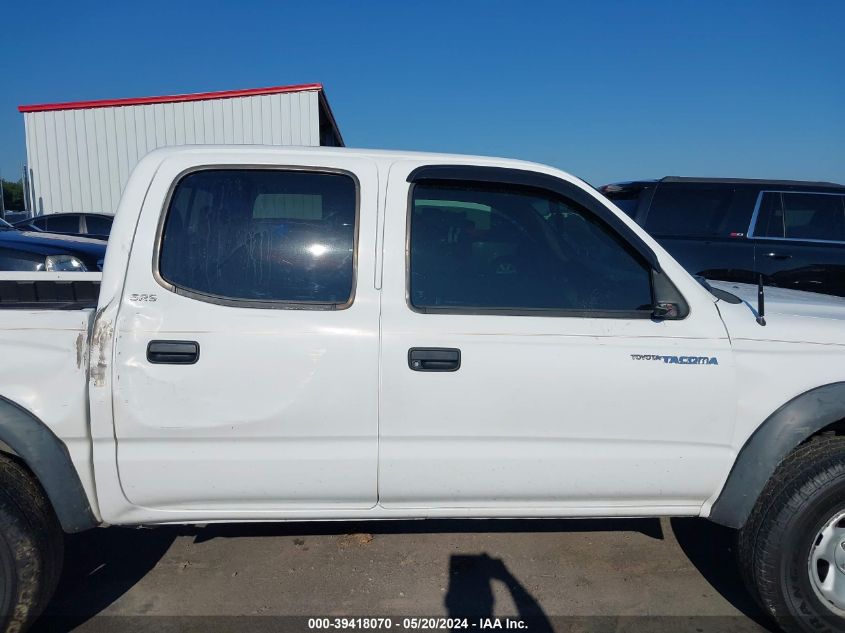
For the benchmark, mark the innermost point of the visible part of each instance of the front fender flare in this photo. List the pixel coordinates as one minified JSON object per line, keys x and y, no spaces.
{"x":48,"y":458}
{"x":773,"y":440}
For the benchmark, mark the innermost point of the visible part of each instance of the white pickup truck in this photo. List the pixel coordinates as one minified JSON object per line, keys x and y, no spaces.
{"x":289,"y":334}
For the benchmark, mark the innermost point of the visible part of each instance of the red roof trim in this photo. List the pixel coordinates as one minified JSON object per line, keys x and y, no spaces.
{"x":200,"y":96}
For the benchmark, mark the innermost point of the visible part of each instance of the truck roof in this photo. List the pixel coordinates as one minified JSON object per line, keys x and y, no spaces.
{"x":734,"y":181}
{"x":375,"y":154}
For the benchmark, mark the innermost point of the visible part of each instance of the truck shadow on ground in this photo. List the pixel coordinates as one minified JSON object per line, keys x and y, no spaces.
{"x":711,"y":549}
{"x":102,"y":565}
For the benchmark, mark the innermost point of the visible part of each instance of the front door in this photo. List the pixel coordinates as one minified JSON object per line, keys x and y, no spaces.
{"x":246,"y":376}
{"x":522,"y":371}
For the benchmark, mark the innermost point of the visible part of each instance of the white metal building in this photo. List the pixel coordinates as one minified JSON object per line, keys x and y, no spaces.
{"x":79,"y":155}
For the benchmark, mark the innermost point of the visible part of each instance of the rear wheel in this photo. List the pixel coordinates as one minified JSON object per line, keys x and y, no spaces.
{"x":792,"y":549}
{"x":31,"y":547}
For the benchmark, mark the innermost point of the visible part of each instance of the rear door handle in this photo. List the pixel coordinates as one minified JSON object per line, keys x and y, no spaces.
{"x":173,"y":352}
{"x":778,"y":255}
{"x":434,"y":359}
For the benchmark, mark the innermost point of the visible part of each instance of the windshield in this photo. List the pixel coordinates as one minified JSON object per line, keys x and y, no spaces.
{"x":5,"y":226}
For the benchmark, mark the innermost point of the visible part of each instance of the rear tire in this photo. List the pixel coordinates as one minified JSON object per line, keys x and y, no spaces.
{"x":31,"y":547}
{"x":795,"y":572}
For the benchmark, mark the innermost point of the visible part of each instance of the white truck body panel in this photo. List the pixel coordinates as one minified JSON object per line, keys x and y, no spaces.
{"x":308,"y":414}
{"x":286,"y":414}
{"x":529,"y":418}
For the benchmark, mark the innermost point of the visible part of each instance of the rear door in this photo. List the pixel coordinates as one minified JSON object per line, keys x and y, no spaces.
{"x":246,"y":362}
{"x":704,"y":226}
{"x":799,"y":240}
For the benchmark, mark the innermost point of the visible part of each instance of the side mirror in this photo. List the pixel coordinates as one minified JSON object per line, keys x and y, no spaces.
{"x":664,"y":310}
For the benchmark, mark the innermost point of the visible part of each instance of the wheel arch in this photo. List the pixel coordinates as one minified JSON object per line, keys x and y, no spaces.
{"x":48,"y":459}
{"x":793,"y":423}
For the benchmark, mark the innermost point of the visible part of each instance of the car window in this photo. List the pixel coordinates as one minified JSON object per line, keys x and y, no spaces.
{"x":98,"y":225}
{"x":11,"y":259}
{"x":60,"y":223}
{"x":801,"y":216}
{"x":699,"y":210}
{"x":262,"y":235}
{"x":492,"y":248}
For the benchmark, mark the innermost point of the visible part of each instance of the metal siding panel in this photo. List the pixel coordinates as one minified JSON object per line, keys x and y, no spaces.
{"x":284,"y":116}
{"x":83,"y":168}
{"x":305,"y":118}
{"x":207,"y":122}
{"x":266,"y":116}
{"x":132,"y":156}
{"x":255,"y":119}
{"x":169,"y":124}
{"x":237,"y":121}
{"x":39,"y":171}
{"x":217,"y":127}
{"x":158,"y":118}
{"x":296,"y":132}
{"x":188,"y":118}
{"x":275,"y":119}
{"x":73,"y":160}
{"x":314,"y":117}
{"x":226,"y":118}
{"x":92,"y":142}
{"x":113,"y":164}
{"x":102,"y":159}
{"x":150,"y":129}
{"x":62,"y":163}
{"x":246,"y":119}
{"x":120,"y":149}
{"x":52,"y":199}
{"x":178,"y":124}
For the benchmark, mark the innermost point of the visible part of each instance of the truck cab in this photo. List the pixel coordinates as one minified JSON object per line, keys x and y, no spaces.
{"x":299,"y":334}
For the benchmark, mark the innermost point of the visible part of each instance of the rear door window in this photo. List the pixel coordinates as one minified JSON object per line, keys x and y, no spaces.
{"x":266,"y":235}
{"x":699,"y":210}
{"x":801,"y":216}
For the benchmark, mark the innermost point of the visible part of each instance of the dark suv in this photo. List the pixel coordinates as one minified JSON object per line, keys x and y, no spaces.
{"x":793,"y":233}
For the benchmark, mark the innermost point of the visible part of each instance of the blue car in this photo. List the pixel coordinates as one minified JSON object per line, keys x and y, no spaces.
{"x":30,"y":250}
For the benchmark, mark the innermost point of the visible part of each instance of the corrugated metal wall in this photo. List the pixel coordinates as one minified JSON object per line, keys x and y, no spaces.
{"x":80,"y":159}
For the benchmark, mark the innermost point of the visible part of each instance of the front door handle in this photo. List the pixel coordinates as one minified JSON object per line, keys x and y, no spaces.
{"x":173,"y":352}
{"x":434,"y":359}
{"x":778,"y":255}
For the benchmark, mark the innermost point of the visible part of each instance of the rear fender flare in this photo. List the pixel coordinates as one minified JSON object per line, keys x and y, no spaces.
{"x":49,"y":460}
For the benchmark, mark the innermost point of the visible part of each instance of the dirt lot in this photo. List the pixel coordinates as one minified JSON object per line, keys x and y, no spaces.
{"x":629,"y":575}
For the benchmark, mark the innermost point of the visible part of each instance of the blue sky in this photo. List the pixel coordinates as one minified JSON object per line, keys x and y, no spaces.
{"x":606,"y":90}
